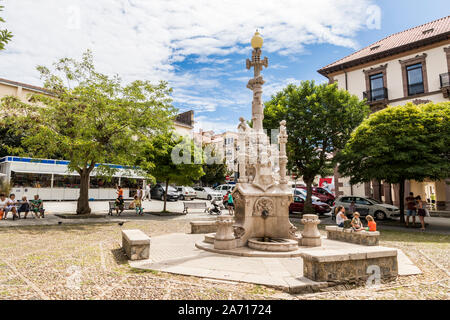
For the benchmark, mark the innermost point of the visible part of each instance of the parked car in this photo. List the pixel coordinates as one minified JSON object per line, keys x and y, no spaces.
{"x":186,"y":193}
{"x":158,"y":192}
{"x":207,"y":193}
{"x":298,"y":205}
{"x":366,"y":206}
{"x":302,"y":193}
{"x":323,"y":194}
{"x":224,"y":188}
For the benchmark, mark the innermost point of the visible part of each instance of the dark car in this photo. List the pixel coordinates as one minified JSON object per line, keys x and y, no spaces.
{"x":323,"y":194}
{"x":158,"y":192}
{"x":298,"y":205}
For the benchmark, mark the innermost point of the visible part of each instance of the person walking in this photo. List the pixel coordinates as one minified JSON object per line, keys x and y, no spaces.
{"x":411,"y":209}
{"x":230,"y":203}
{"x":433,"y":201}
{"x":421,"y":212}
{"x":147,"y":191}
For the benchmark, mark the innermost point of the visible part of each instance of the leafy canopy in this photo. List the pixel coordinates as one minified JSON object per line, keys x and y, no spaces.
{"x":159,"y":155}
{"x":91,"y":118}
{"x":400,"y":143}
{"x":5,"y":35}
{"x":319,"y":121}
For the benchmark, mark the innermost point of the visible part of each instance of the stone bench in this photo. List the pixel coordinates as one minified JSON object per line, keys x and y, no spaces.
{"x":203,"y":227}
{"x":194,"y":205}
{"x":136,"y":244}
{"x":365,"y":238}
{"x":350,"y":265}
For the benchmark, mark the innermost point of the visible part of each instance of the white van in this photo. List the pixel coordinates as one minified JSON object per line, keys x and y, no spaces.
{"x":224,"y":188}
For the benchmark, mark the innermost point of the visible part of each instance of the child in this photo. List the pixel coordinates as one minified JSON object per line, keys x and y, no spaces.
{"x":372,"y":226}
{"x":24,"y":207}
{"x":138,"y":205}
{"x":356,"y":222}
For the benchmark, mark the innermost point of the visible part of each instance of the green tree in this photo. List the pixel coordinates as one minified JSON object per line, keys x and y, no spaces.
{"x":398,"y":144}
{"x":91,"y":119}
{"x":214,"y":172}
{"x":319,"y":121}
{"x":5,"y":35}
{"x":172,"y":159}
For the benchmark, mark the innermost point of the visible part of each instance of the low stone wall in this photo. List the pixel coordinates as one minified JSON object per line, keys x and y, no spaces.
{"x":198,"y":227}
{"x":136,"y":244}
{"x":350,"y":267}
{"x":365,"y":238}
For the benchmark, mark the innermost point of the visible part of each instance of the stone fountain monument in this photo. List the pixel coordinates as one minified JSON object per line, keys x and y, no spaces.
{"x":261,"y":200}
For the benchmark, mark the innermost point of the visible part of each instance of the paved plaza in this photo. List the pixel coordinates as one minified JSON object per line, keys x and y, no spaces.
{"x":176,"y":253}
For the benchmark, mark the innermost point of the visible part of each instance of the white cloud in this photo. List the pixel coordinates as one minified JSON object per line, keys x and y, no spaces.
{"x":140,"y":39}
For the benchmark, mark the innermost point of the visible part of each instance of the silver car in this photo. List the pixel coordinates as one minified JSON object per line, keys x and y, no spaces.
{"x":186,"y":193}
{"x":367,"y":206}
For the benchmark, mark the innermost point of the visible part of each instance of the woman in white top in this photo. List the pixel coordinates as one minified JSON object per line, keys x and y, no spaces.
{"x":12,"y":206}
{"x":341,"y":217}
{"x":3,"y":204}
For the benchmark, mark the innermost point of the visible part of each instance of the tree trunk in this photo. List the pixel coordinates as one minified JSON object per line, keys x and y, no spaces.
{"x":308,"y":208}
{"x":401,"y":195}
{"x":391,"y":201}
{"x":380,"y":191}
{"x":165,"y":195}
{"x":83,"y":199}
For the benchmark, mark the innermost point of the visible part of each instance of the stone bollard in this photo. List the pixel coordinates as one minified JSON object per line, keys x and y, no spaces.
{"x":225,"y":239}
{"x":311,"y":234}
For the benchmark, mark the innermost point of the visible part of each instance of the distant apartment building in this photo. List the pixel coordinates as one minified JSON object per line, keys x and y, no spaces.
{"x":409,"y":66}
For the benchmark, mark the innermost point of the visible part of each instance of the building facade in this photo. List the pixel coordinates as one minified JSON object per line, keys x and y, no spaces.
{"x":409,"y":66}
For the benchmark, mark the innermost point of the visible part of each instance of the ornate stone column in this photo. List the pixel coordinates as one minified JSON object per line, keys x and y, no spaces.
{"x":282,"y":140}
{"x":311,"y":234}
{"x":225,"y":239}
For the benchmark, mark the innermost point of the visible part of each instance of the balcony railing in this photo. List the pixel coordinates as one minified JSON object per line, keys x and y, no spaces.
{"x":445,"y":79}
{"x":376,"y":95}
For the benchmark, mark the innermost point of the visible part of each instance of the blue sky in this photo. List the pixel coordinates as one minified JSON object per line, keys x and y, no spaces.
{"x":200,"y":46}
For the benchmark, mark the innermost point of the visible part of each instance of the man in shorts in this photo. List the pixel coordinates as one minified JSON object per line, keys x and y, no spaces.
{"x":411,"y":209}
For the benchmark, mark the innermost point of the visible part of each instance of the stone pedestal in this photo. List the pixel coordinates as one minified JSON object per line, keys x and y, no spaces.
{"x":224,"y":239}
{"x":136,"y":244}
{"x":311,"y":234}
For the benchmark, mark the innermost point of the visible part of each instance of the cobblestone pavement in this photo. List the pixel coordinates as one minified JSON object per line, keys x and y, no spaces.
{"x":85,"y":261}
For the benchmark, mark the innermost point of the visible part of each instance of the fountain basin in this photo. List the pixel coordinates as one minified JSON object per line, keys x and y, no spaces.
{"x":273,"y":244}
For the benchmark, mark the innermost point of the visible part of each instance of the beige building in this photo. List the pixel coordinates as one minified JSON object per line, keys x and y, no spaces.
{"x":18,"y":89}
{"x":409,"y":66}
{"x":225,"y":145}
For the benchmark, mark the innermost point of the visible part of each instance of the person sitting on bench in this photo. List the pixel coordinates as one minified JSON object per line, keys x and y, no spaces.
{"x":119,"y":204}
{"x":356,"y":222}
{"x":11,"y":207}
{"x":24,"y":207}
{"x":37,"y":206}
{"x":340,"y":216}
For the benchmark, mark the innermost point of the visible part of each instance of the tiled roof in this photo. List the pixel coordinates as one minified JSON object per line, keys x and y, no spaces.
{"x":425,"y":34}
{"x":24,"y":85}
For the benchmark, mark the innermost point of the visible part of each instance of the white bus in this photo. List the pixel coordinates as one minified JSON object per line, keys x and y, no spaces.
{"x":52,"y":180}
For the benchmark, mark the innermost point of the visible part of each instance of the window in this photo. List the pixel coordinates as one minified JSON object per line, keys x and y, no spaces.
{"x":376,"y":87}
{"x":31,"y":180}
{"x":362,"y":201}
{"x":346,"y":199}
{"x":415,"y":79}
{"x":70,"y":181}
